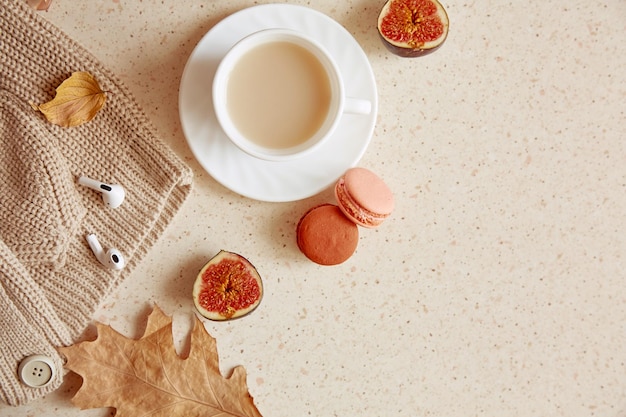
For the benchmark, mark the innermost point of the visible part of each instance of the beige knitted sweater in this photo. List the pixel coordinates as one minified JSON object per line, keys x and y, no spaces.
{"x":50,"y":281}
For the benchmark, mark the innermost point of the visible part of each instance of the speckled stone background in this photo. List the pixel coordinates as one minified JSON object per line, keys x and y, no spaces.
{"x":498,"y":286}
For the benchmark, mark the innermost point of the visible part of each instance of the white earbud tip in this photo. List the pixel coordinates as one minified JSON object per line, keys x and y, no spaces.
{"x":115,"y":259}
{"x":112,"y":259}
{"x":116,"y":196}
{"x":112,"y":194}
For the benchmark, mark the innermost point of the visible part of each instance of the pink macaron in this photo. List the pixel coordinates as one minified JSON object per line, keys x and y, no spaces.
{"x":364,"y":197}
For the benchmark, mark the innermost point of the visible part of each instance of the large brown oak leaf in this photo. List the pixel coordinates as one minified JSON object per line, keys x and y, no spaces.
{"x":146,"y":377}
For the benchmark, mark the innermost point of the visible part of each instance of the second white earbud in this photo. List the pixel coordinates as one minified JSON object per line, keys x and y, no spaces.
{"x":112,"y":258}
{"x":112,"y":194}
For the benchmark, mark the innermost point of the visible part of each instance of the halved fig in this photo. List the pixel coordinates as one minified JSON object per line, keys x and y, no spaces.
{"x":412,"y":28}
{"x":227,"y":287}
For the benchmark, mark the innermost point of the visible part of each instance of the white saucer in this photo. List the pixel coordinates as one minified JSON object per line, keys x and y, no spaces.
{"x":267,"y":180}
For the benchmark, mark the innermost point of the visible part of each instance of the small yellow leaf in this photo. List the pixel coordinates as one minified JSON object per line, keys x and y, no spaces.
{"x":77,"y":101}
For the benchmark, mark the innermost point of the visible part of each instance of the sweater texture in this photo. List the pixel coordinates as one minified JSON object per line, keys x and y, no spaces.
{"x":50,"y":281}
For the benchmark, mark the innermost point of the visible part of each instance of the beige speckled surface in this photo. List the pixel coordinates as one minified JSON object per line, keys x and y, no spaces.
{"x":497,"y":287}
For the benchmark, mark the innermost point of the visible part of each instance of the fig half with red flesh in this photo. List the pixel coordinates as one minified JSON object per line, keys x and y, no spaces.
{"x":227,"y":287}
{"x":412,"y":28}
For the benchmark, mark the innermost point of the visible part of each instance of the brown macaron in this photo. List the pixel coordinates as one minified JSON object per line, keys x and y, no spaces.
{"x":326,"y":236}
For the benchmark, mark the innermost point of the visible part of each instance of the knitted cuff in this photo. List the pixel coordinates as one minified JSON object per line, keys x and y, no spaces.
{"x":29,"y":326}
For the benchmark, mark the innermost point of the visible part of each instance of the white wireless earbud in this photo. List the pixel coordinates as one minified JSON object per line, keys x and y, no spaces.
{"x":112,"y":258}
{"x":112,"y":194}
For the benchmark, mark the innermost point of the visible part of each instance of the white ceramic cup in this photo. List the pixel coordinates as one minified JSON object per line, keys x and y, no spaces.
{"x":339,"y":103}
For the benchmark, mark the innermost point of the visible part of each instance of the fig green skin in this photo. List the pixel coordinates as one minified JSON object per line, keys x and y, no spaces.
{"x":405,"y":51}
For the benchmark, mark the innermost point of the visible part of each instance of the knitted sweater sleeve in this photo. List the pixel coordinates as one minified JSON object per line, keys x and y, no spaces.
{"x":50,"y":281}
